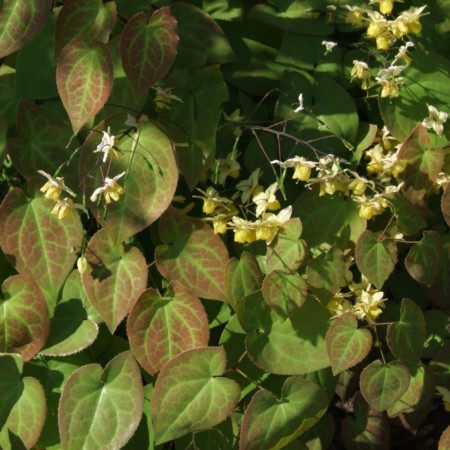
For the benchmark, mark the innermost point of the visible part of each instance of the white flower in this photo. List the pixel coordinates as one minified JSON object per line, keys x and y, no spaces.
{"x":131,"y":121}
{"x":329,"y":45}
{"x":106,"y":146}
{"x":110,"y":189}
{"x":266,"y":200}
{"x":54,"y":186}
{"x":302,"y":167}
{"x":300,"y":104}
{"x":435,"y":119}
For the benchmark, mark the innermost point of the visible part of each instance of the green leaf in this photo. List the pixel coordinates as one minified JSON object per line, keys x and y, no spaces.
{"x":84,"y":76}
{"x":151,"y":176}
{"x":444,"y":441}
{"x":419,"y":393}
{"x":22,"y":405}
{"x":445,"y":204}
{"x":408,"y":215}
{"x":101,"y":408}
{"x":383,"y":384}
{"x":284,"y":292}
{"x":24,"y":322}
{"x":148,"y":48}
{"x":406,"y":337}
{"x":320,"y":435}
{"x":193,"y":123}
{"x":375,"y":257}
{"x":328,"y":219}
{"x":326,"y":273}
{"x":287,"y":251}
{"x":435,"y":332}
{"x":20,"y":22}
{"x":439,"y":292}
{"x":175,"y":322}
{"x":90,"y":19}
{"x":242,"y":277}
{"x":38,"y":242}
{"x":424,"y":259}
{"x":346,"y":344}
{"x":192,"y":254}
{"x":190,"y":394}
{"x":270,"y":423}
{"x":116,"y":278}
{"x":369,"y":428}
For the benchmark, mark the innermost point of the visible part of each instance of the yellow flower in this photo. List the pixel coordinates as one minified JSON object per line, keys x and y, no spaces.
{"x":266,"y":200}
{"x":355,"y":15}
{"x":267,"y":228}
{"x":339,"y":305}
{"x":435,"y":120}
{"x":64,"y":208}
{"x":370,"y":207}
{"x":302,"y":167}
{"x":250,"y":187}
{"x":219,"y":225}
{"x":377,"y":24}
{"x":225,"y":167}
{"x":54,"y":187}
{"x":164,"y":97}
{"x":244,"y":231}
{"x":369,"y":304}
{"x":110,"y":189}
{"x":386,"y":6}
{"x":106,"y":146}
{"x":212,"y":200}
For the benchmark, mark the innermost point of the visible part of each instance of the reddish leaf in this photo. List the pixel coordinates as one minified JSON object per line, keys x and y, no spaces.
{"x":159,"y":328}
{"x":37,"y":242}
{"x":20,"y":22}
{"x":148,"y":48}
{"x":84,"y":76}
{"x":444,"y":441}
{"x":192,"y":254}
{"x":445,"y":204}
{"x":90,"y":19}
{"x":116,"y":278}
{"x":24,"y":323}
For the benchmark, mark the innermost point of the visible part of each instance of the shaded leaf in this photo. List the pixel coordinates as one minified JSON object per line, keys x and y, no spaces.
{"x":445,"y":204}
{"x":406,"y":337}
{"x":101,"y":408}
{"x":346,"y":344}
{"x":271,"y":423}
{"x":191,"y":254}
{"x":191,"y":394}
{"x":409,"y":217}
{"x":375,"y":257}
{"x":116,"y":278}
{"x":320,"y":435}
{"x":148,"y":48}
{"x":84,"y":76}
{"x":424,"y":259}
{"x":20,"y":22}
{"x":37,"y":242}
{"x":22,"y":405}
{"x":439,"y":292}
{"x":159,"y":328}
{"x":383,"y":384}
{"x":24,"y":322}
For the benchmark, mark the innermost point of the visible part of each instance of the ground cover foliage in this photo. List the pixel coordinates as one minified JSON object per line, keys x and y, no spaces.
{"x":224,"y":224}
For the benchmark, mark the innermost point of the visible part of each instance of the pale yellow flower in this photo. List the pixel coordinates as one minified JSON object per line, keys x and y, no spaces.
{"x":64,"y":208}
{"x":302,"y":167}
{"x":110,"y":189}
{"x":435,"y":120}
{"x":244,"y":230}
{"x":163,"y":98}
{"x":106,"y":146}
{"x":212,"y":200}
{"x":250,"y":187}
{"x":54,"y":187}
{"x":266,"y":200}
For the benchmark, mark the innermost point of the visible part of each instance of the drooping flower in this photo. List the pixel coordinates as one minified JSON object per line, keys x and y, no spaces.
{"x":266,"y":200}
{"x":386,"y":6}
{"x":302,"y":167}
{"x":369,"y":304}
{"x":250,"y":187}
{"x":408,"y":22}
{"x":225,"y":167}
{"x":362,"y":71}
{"x":212,"y":200}
{"x":435,"y":119}
{"x":355,"y":15}
{"x":268,"y":226}
{"x":371,"y":206}
{"x":106,"y":146}
{"x":111,"y":189}
{"x":244,"y":230}
{"x":64,"y":208}
{"x":300,"y":106}
{"x":164,"y":97}
{"x":54,"y":187}
{"x":329,"y":45}
{"x":390,"y":81}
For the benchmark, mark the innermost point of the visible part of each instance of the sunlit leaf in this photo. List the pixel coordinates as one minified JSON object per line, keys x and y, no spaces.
{"x":37,"y":242}
{"x":406,"y":337}
{"x":376,"y":257}
{"x":22,"y":405}
{"x":159,"y":328}
{"x":116,"y":278}
{"x":271,"y":423}
{"x":84,"y":76}
{"x":24,"y":323}
{"x":346,"y":344}
{"x":424,"y":259}
{"x":148,"y":48}
{"x":192,"y":254}
{"x":444,"y":441}
{"x":101,"y":408}
{"x":383,"y":384}
{"x":20,"y":22}
{"x":191,"y":394}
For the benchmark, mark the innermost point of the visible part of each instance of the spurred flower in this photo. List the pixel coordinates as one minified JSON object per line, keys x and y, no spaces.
{"x":106,"y":146}
{"x":54,"y":187}
{"x":435,"y":119}
{"x":110,"y":189}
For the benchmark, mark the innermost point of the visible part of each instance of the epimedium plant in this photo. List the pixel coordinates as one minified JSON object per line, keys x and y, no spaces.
{"x":224,"y":224}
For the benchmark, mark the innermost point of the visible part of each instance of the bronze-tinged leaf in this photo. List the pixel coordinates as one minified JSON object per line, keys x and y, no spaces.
{"x":192,"y":254}
{"x":116,"y":278}
{"x":445,"y":204}
{"x":148,"y":48}
{"x":159,"y":328}
{"x":84,"y":77}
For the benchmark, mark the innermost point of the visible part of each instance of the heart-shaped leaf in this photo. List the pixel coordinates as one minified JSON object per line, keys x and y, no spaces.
{"x":37,"y":242}
{"x":270,"y":423}
{"x":148,"y":48}
{"x":84,"y":76}
{"x":444,"y":441}
{"x":190,"y":394}
{"x":242,"y":277}
{"x":24,"y":322}
{"x":22,"y":405}
{"x":116,"y":278}
{"x":159,"y":328}
{"x":375,"y":257}
{"x":346,"y":344}
{"x":20,"y":22}
{"x":383,"y":384}
{"x":101,"y":408}
{"x":90,"y":19}
{"x":192,"y":254}
{"x":151,"y":176}
{"x":406,"y":337}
